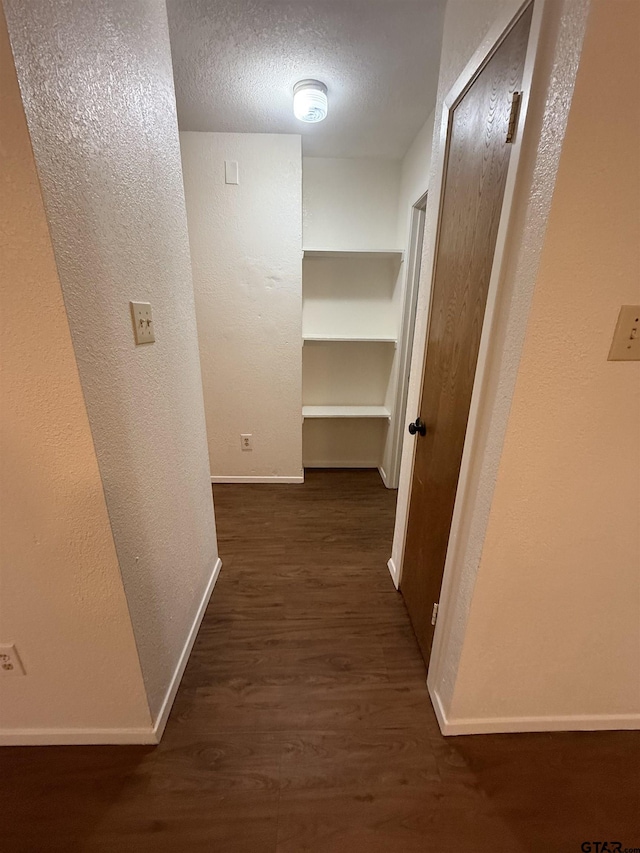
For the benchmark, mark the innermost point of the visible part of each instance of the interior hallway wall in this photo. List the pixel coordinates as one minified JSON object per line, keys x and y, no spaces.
{"x":246,"y":248}
{"x":414,"y":178}
{"x":97,"y":84}
{"x":61,"y":596}
{"x":556,"y":609}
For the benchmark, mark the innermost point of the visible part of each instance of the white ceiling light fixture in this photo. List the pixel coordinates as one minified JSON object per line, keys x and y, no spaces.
{"x":310,"y":100}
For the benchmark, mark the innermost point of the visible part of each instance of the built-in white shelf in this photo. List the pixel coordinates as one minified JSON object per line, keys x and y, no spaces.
{"x":341,"y":339}
{"x":345,"y":412}
{"x":381,"y":254}
{"x":350,"y":337}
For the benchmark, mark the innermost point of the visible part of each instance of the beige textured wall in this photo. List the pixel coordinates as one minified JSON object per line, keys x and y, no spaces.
{"x":61,"y":598}
{"x":97,"y":87}
{"x":554,"y":628}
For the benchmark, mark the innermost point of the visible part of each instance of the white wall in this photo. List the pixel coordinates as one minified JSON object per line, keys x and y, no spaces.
{"x":246,"y":243}
{"x":103,"y":126}
{"x":556,"y":608}
{"x":350,"y":204}
{"x":61,"y":596}
{"x":414,"y":177}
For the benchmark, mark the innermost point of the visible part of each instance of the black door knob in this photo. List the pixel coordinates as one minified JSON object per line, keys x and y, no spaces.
{"x":418,"y":427}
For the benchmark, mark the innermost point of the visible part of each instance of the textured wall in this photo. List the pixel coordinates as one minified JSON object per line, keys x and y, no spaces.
{"x":556,"y":610}
{"x":98,"y":90}
{"x":350,"y":204}
{"x":414,"y":178}
{"x":61,"y":600}
{"x":246,"y":242}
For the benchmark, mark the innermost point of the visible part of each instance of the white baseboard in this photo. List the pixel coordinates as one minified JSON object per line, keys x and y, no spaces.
{"x":502,"y":725}
{"x":383,"y":475}
{"x":393,"y":571}
{"x":144,"y":735}
{"x":441,"y":717}
{"x":328,"y":463}
{"x":228,"y":479}
{"x":77,"y":737}
{"x":165,"y":710}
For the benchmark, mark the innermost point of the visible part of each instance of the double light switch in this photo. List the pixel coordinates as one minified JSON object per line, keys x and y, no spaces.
{"x":143,"y":328}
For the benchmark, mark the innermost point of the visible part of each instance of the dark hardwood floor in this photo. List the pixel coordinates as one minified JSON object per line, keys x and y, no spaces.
{"x":303,"y":721}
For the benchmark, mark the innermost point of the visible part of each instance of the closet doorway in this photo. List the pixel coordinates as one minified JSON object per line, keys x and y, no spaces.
{"x":360,"y":271}
{"x":414,"y":266}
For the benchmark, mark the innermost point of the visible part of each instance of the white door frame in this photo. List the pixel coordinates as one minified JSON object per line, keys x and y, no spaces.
{"x":460,"y":571}
{"x":407,"y":327}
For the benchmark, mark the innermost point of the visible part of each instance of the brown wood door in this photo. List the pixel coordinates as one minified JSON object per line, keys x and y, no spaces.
{"x":473,"y":194}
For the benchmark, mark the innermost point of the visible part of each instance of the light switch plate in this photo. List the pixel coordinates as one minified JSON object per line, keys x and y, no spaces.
{"x":142,"y":317}
{"x":626,"y":338}
{"x":231,"y":172}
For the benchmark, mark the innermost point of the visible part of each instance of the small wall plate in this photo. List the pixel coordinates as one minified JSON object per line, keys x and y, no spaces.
{"x":143,"y":328}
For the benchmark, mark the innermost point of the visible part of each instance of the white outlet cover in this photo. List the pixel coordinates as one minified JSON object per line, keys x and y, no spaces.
{"x":626,"y":338}
{"x":143,"y":328}
{"x":10,"y":663}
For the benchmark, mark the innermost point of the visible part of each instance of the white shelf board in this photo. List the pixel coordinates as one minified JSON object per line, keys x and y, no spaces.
{"x":380,"y":254}
{"x":345,"y":412}
{"x":344,"y":339}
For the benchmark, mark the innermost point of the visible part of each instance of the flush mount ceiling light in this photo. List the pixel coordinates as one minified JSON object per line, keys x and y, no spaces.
{"x":310,"y":100}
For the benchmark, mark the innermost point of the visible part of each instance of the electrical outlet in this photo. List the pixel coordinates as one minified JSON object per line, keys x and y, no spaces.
{"x":626,"y":338}
{"x":246,"y":441}
{"x":143,"y":328}
{"x":10,"y":663}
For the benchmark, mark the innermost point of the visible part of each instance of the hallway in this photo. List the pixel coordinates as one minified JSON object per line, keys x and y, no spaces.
{"x":303,"y":721}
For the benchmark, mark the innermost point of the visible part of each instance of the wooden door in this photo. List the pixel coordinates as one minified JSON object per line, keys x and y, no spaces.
{"x":474,"y":181}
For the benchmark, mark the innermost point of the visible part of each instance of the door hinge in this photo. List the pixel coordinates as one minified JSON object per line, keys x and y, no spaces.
{"x":513,"y":115}
{"x":434,"y":613}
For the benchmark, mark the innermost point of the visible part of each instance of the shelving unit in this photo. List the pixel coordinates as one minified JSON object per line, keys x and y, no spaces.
{"x":345,"y":412}
{"x":350,"y":332}
{"x":394,"y":254}
{"x":337,"y":339}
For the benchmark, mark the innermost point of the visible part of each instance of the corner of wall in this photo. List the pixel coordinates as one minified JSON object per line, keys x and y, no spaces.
{"x":115,"y":209}
{"x":63,"y":604}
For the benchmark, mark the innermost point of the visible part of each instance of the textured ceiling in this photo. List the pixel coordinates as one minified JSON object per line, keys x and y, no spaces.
{"x":236,"y":61}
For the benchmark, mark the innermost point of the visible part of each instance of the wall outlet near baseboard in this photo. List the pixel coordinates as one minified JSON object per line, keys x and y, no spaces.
{"x":10,"y":663}
{"x":246,"y":441}
{"x":626,"y":338}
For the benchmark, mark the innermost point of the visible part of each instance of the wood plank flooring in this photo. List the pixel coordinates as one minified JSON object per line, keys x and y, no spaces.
{"x":303,"y":721}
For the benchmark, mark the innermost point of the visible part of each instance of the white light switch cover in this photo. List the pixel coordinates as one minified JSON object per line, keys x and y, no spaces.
{"x":626,"y":338}
{"x":231,"y":172}
{"x":142,"y":317}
